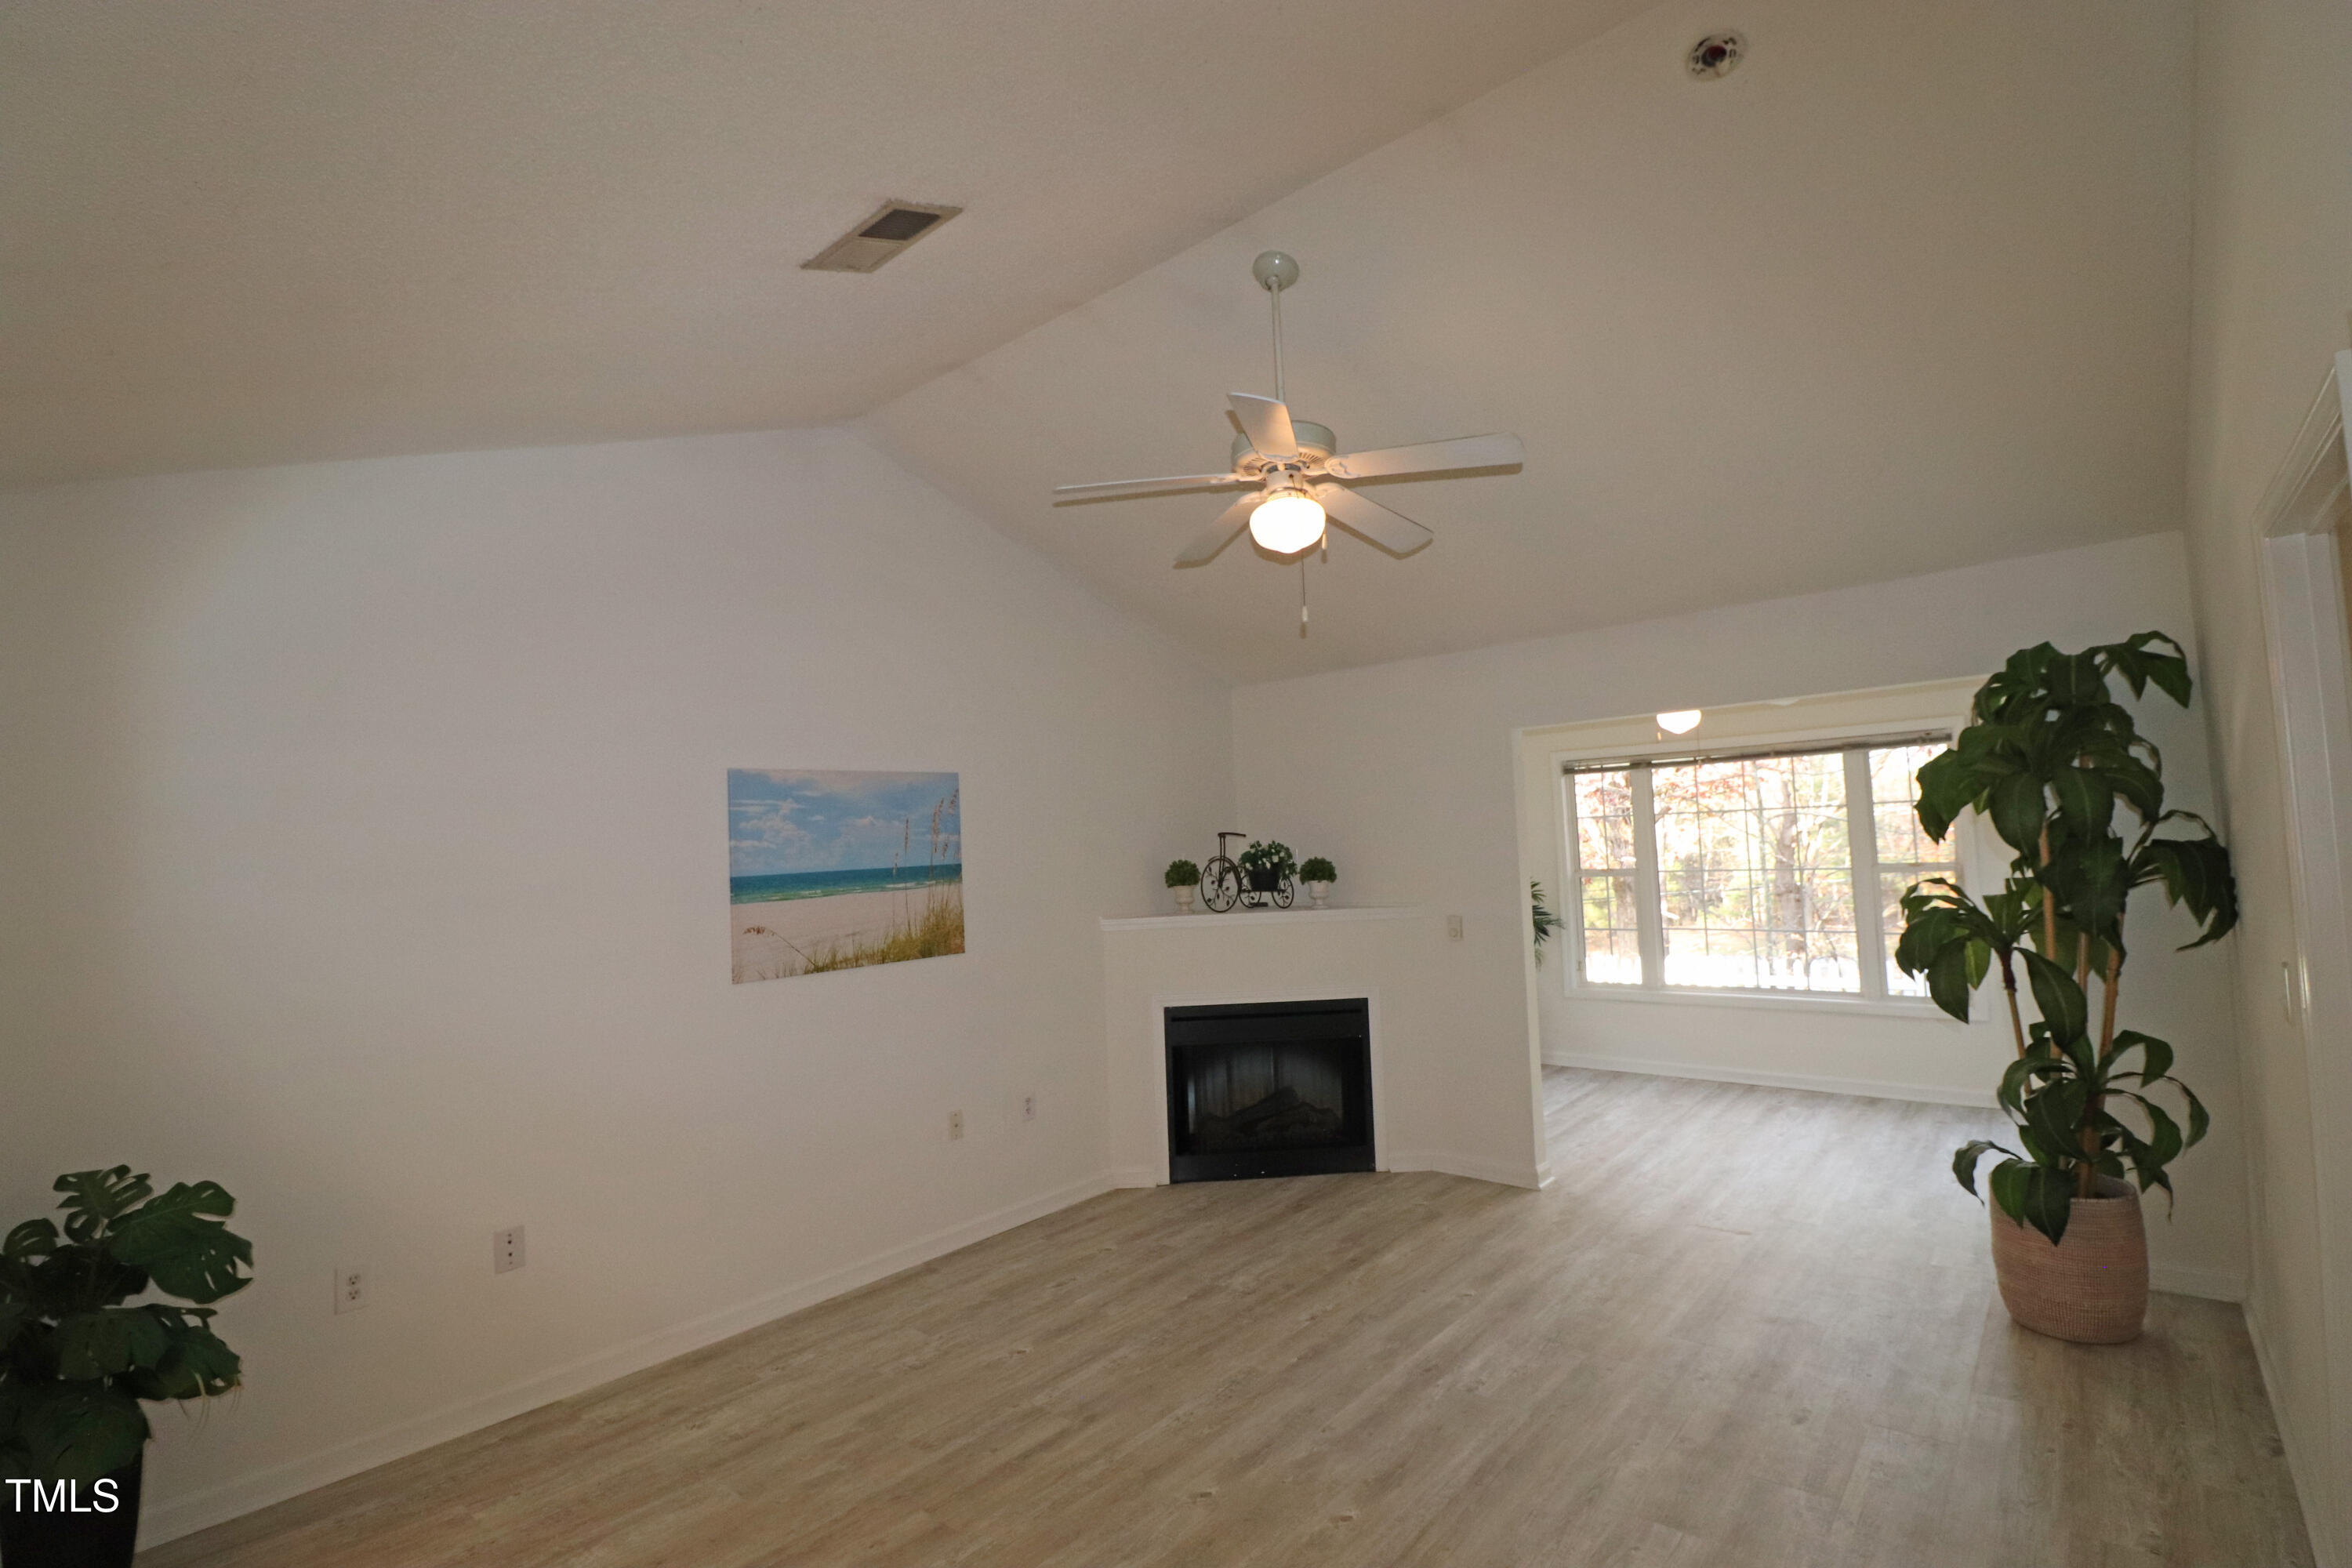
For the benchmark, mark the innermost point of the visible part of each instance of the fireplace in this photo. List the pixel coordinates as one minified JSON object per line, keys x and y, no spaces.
{"x":1269,"y":1088}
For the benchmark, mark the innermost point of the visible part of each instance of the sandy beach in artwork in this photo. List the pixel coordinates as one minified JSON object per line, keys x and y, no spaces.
{"x":776,"y":938}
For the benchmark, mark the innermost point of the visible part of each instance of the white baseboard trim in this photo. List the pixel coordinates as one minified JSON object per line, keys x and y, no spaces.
{"x":1477,"y":1170}
{"x":2323,"y":1546}
{"x":1871,"y":1088}
{"x":2208,"y":1284}
{"x":1136,"y":1176}
{"x":179,"y":1516}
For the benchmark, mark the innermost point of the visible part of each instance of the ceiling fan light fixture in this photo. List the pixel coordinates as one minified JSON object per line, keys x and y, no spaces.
{"x":1681,"y":721}
{"x":1286,"y":522}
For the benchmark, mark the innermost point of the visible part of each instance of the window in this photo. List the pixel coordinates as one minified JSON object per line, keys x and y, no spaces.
{"x":1779,"y":871}
{"x":1605,"y":872}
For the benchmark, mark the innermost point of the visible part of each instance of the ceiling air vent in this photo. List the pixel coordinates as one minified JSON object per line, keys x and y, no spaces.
{"x":886,"y":231}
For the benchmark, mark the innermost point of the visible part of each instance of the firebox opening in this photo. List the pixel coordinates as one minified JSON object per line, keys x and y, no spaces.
{"x":1279,"y":1088}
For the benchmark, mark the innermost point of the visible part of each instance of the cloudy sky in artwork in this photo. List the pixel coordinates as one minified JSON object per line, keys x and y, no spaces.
{"x":780,"y":820}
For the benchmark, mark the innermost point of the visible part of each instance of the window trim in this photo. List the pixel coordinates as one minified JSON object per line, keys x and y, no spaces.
{"x":1855,"y":741}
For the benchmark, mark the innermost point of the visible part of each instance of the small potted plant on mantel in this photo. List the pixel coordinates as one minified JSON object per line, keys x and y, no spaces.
{"x":1181,"y":877}
{"x":1318,"y":873}
{"x":2056,"y":766}
{"x":1266,"y":870}
{"x":77,"y":1363}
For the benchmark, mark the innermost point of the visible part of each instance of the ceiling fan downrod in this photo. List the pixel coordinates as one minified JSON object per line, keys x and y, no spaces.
{"x":1274,"y":272}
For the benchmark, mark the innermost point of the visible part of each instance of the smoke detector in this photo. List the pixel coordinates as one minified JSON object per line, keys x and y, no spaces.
{"x":1716,"y":55}
{"x":885,"y":232}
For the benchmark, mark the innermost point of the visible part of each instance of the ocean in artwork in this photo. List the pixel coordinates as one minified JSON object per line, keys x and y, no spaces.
{"x":831,"y":869}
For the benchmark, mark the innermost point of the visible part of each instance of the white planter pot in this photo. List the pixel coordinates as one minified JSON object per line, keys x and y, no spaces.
{"x":1318,"y":892}
{"x":1183,"y":900}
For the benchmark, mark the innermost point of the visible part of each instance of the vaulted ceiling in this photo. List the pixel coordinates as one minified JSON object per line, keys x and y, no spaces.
{"x":254,"y":231}
{"x":1906,"y":289}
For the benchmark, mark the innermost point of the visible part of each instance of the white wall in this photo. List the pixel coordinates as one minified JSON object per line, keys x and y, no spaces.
{"x":2271,"y":287}
{"x":363,"y":847}
{"x":1404,"y":774}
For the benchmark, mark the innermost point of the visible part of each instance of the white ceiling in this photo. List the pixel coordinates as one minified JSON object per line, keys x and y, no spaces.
{"x":1907,"y":291}
{"x":250,"y":231}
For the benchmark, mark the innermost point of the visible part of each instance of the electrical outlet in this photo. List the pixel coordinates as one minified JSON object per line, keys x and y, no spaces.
{"x":506,"y":1250}
{"x":1028,"y":1107}
{"x":955,"y":1125}
{"x":1453,"y":928}
{"x":350,"y":1287}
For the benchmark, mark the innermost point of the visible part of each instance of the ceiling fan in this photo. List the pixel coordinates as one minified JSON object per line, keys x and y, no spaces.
{"x":1297,"y":476}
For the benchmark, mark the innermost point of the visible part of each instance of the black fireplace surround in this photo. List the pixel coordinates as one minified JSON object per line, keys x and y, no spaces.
{"x":1270,"y":1088}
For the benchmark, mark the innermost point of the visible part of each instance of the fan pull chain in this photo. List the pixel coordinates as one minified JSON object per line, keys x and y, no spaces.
{"x":1302,"y":596}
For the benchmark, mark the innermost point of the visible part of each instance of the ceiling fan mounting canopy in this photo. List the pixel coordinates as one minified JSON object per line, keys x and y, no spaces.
{"x":1273,"y":270}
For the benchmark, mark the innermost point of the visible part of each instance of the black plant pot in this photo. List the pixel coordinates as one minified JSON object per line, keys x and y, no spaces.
{"x":1264,"y":881}
{"x":44,"y":1538}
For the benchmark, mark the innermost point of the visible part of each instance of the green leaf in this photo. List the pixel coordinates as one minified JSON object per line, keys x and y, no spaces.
{"x":2056,"y":1110}
{"x":2198,"y":1119}
{"x":107,"y":1340}
{"x":2092,"y":883}
{"x":1964,"y":1159}
{"x":2077,"y":679}
{"x":2048,"y":1201}
{"x":2156,"y":1056}
{"x":34,"y":1238}
{"x":2056,"y":1153}
{"x":1947,"y":787}
{"x":2014,"y":1081}
{"x":2169,"y":672}
{"x":2165,"y":1143}
{"x":187,"y":1254}
{"x":2019,"y":812}
{"x":77,"y":1431}
{"x":195,"y":1365}
{"x":2062,"y":1002}
{"x":1947,"y":980}
{"x":2197,"y":875}
{"x":94,"y":1197}
{"x":2140,"y":785}
{"x":2008,"y":1184}
{"x":2085,"y":798}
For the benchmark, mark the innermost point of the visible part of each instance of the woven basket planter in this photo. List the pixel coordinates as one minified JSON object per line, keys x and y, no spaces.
{"x":2092,"y":1288}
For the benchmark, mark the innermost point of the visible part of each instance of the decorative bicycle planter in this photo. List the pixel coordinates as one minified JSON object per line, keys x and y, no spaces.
{"x":1260,"y":876}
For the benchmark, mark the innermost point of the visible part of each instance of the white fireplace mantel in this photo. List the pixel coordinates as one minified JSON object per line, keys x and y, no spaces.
{"x":1398,"y":958}
{"x":1238,"y":917}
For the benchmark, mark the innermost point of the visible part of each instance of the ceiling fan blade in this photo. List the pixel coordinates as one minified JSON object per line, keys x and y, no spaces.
{"x":1393,"y":532}
{"x":1267,"y":422}
{"x":1149,"y":487}
{"x":1211,"y":541}
{"x":1430,"y":457}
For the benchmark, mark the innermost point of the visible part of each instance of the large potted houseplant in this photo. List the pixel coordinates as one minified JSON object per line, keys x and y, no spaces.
{"x":77,"y":1355}
{"x":2058,"y":768}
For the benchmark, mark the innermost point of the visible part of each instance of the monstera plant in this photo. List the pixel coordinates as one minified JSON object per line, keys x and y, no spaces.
{"x":77,"y":1357}
{"x":2060,"y":770}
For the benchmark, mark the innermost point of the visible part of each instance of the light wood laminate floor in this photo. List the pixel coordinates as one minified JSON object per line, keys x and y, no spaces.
{"x":1746,"y":1326}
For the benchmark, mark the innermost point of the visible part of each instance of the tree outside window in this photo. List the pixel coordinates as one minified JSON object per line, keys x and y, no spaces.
{"x":1741,"y":873}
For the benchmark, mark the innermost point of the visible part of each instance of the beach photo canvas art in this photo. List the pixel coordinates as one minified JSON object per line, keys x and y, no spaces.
{"x":835,"y":870}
